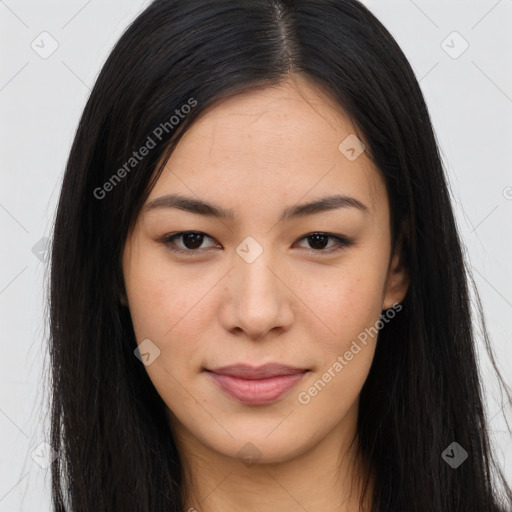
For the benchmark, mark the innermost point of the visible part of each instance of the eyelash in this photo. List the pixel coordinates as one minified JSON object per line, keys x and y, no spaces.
{"x":341,"y":242}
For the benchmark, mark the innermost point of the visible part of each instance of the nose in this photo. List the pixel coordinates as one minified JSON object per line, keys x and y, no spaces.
{"x":258,"y":298}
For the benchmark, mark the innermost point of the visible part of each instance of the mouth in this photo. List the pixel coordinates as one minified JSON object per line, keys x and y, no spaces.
{"x":256,"y":386}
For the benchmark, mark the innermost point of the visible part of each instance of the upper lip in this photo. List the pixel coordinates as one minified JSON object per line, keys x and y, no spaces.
{"x":244,"y":371}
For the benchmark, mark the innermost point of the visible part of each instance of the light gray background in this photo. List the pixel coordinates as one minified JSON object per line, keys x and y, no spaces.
{"x":470,"y":100}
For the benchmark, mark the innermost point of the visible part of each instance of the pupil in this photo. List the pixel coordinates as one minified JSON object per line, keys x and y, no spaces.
{"x":195,"y":238}
{"x":317,"y":240}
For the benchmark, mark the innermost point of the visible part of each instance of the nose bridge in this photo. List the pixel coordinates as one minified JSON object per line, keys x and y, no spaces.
{"x":256,"y":280}
{"x":259,"y":298}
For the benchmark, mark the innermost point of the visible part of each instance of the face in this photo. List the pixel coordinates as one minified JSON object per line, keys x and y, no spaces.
{"x":266,"y":282}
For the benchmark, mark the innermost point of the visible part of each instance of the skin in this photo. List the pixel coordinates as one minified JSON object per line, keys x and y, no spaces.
{"x":257,"y":153}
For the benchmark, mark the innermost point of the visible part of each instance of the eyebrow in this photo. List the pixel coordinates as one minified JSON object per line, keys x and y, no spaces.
{"x":200,"y":207}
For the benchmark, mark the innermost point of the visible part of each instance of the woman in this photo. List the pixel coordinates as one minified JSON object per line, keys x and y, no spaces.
{"x":258,"y":294}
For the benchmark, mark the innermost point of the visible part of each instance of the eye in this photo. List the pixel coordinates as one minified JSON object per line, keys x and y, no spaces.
{"x":319,"y":241}
{"x":193,"y":240}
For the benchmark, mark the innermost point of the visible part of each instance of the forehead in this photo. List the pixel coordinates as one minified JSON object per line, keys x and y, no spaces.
{"x":278,"y":143}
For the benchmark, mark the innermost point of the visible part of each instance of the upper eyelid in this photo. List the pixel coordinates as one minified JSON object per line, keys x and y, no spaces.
{"x":181,"y":233}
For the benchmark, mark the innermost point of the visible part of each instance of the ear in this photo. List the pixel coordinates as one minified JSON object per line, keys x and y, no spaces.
{"x":398,"y":279}
{"x":123,"y":298}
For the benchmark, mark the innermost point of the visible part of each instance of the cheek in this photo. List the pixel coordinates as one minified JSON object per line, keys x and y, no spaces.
{"x":343,"y":302}
{"x":347,"y":309}
{"x":147,"y":305}
{"x":346,"y":306}
{"x":162,"y":299}
{"x":168,"y":311}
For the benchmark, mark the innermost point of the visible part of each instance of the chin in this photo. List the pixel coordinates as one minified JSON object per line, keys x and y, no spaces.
{"x":252,"y":447}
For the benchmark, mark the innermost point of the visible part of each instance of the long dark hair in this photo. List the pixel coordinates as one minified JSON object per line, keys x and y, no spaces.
{"x":115,"y":448}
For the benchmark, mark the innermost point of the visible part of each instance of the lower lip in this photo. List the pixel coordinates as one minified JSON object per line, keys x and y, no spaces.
{"x":257,"y":391}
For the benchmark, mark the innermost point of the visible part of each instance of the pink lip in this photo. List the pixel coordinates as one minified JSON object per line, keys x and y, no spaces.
{"x":254,"y":386}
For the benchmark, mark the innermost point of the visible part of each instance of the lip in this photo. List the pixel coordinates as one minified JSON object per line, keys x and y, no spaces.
{"x":256,"y":385}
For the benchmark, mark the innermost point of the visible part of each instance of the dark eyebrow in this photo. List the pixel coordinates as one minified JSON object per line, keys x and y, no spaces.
{"x":200,"y":207}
